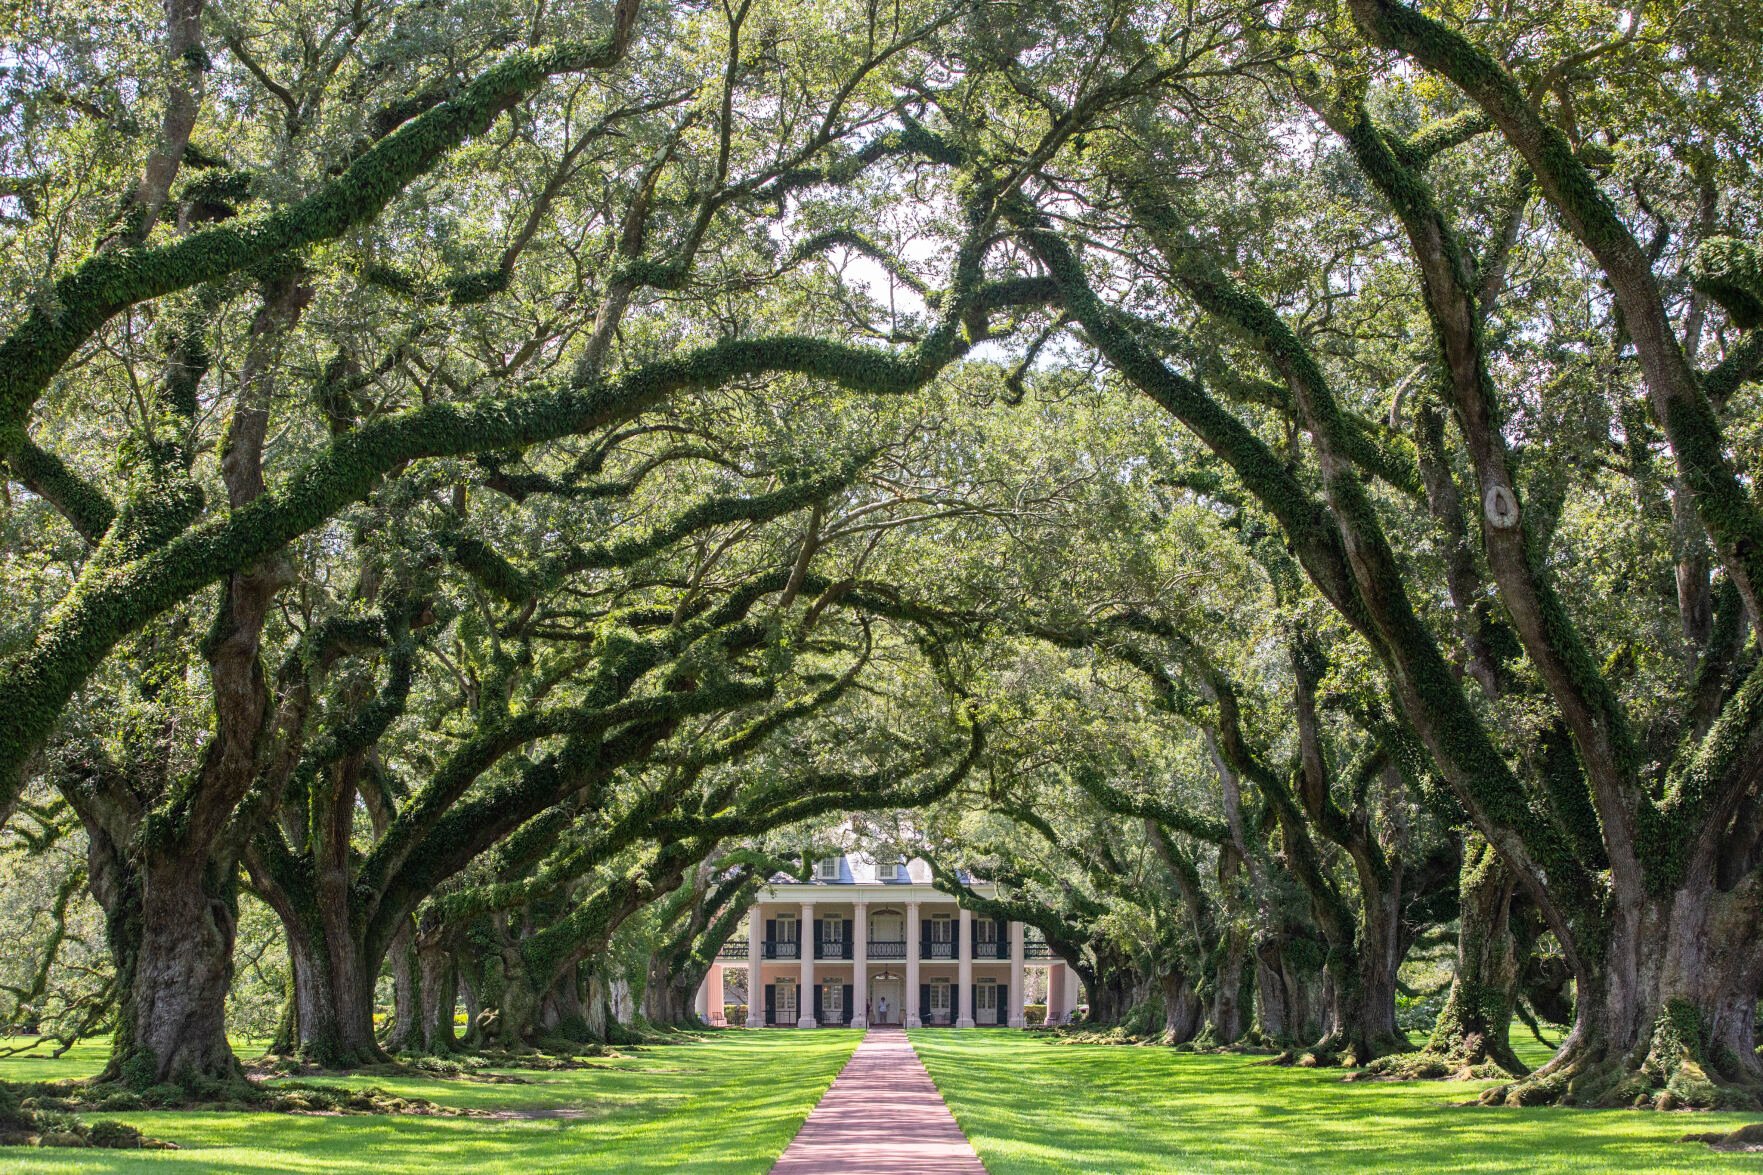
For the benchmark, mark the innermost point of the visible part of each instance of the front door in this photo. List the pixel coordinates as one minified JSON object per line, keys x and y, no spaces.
{"x":985,"y":1004}
{"x":786,"y":1004}
{"x":887,"y":994}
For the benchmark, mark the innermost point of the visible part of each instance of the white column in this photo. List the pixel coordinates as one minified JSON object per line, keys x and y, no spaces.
{"x":860,"y":966}
{"x":964,"y":952}
{"x":701,"y":1002}
{"x":1017,"y":1018}
{"x":914,"y":1013}
{"x":1074,"y":989}
{"x":1055,"y":990}
{"x":716,"y":1000}
{"x":756,"y":966}
{"x":805,"y":939}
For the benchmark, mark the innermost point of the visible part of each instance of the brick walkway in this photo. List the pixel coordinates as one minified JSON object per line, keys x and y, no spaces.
{"x":881,"y":1116}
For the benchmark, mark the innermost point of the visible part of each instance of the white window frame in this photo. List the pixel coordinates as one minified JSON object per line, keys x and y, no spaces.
{"x":984,"y":930}
{"x":832,"y":930}
{"x":832,"y":1000}
{"x":947,"y":924}
{"x":826,"y":869}
{"x":781,"y":988}
{"x":985,"y":999}
{"x":945,"y":989}
{"x":888,"y":871}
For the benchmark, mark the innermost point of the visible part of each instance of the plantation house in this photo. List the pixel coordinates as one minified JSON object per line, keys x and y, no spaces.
{"x":864,"y":944}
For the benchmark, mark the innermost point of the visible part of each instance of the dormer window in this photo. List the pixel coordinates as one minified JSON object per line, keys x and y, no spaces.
{"x":888,"y":871}
{"x":826,"y":869}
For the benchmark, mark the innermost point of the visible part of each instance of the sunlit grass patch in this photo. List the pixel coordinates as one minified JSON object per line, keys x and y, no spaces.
{"x":1033,"y":1104}
{"x":722,"y":1102}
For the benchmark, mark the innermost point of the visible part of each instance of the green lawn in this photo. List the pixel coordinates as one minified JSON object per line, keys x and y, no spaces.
{"x":1032,"y":1104}
{"x":719,"y":1102}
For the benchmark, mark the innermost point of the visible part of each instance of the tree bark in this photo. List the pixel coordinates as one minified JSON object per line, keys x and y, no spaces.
{"x":333,"y":1002}
{"x":1474,"y":1028}
{"x":1669,"y":1021}
{"x":1472,"y":1035}
{"x":170,"y":923}
{"x":438,"y":996}
{"x":406,"y":992}
{"x":1183,"y":1010}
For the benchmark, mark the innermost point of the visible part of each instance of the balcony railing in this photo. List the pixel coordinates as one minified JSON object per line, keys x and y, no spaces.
{"x":887,"y":950}
{"x":732,"y":949}
{"x":783,"y":950}
{"x":990,"y":950}
{"x":937,"y":950}
{"x":832,"y":950}
{"x":1036,"y":950}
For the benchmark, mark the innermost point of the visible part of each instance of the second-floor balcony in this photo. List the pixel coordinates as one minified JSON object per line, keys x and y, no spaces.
{"x":782,"y":950}
{"x":937,"y":950}
{"x":990,"y":950}
{"x":732,"y":949}
{"x":832,"y":949}
{"x":883,"y":950}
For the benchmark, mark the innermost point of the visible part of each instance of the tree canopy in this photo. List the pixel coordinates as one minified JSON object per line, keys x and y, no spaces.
{"x":1271,"y":487}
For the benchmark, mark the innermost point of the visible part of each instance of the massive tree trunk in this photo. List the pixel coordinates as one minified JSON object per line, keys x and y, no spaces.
{"x":1471,"y":1037}
{"x":671,"y":993}
{"x":1230,"y":989}
{"x":437,"y":997}
{"x":170,"y":923}
{"x":1183,"y":1010}
{"x":333,"y":999}
{"x":406,"y":992}
{"x":560,"y":1011}
{"x":1288,"y":992}
{"x":1367,"y":1022}
{"x":1669,"y":1020}
{"x":1113,"y":986}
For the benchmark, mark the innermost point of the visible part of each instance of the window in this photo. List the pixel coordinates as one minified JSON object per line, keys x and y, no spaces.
{"x":784,"y":945}
{"x":939,"y":1000}
{"x":942,"y":937}
{"x":826,"y":869}
{"x":832,"y":930}
{"x":888,"y":871}
{"x":832,"y":1000}
{"x":985,"y":931}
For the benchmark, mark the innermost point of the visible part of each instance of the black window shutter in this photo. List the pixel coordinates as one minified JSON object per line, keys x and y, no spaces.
{"x":846,"y":937}
{"x":1003,"y":937}
{"x":848,"y":996}
{"x":973,"y":1001}
{"x":771,"y":1003}
{"x":819,"y":1012}
{"x":770,"y":931}
{"x":924,"y":1001}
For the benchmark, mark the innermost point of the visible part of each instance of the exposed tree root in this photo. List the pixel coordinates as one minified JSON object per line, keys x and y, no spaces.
{"x":73,"y":1097}
{"x":27,"y":1121}
{"x":1676,"y":1073}
{"x":1745,"y":1138}
{"x":1471,"y":1059}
